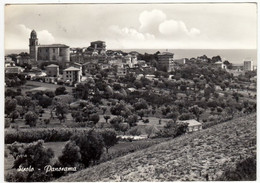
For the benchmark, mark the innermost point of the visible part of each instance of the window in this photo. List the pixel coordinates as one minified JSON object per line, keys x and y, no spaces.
{"x":53,"y":50}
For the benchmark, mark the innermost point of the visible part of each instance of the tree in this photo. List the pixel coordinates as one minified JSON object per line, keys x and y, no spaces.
{"x":70,"y":155}
{"x":149,"y":130}
{"x":116,"y":121}
{"x":45,"y":101}
{"x":109,"y":138}
{"x":14,"y":115}
{"x":31,"y":118}
{"x":172,"y":129}
{"x":33,"y":155}
{"x":123,"y":127}
{"x":186,"y":116}
{"x":10,"y":105}
{"x":106,"y":117}
{"x":61,"y":109}
{"x":132,"y":120}
{"x":94,"y":118}
{"x":91,"y":146}
{"x":197,"y":111}
{"x":141,"y":104}
{"x":141,"y":113}
{"x":60,"y":91}
{"x":77,"y":116}
{"x":173,"y":115}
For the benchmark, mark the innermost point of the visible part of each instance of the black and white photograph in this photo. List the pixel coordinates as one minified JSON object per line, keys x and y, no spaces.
{"x":130,"y":92}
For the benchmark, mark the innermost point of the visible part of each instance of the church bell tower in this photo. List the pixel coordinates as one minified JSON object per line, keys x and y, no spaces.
{"x":33,"y":43}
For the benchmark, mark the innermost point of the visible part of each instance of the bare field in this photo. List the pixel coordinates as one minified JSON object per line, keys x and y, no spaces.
{"x":188,"y":158}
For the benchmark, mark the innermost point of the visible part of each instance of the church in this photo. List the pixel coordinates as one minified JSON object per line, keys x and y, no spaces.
{"x":59,"y":53}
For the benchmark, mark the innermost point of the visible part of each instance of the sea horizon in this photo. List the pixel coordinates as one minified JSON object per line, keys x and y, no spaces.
{"x":234,"y":56}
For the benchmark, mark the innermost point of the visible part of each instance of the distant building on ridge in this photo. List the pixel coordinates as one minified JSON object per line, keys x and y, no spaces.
{"x":165,"y":61}
{"x":248,"y":65}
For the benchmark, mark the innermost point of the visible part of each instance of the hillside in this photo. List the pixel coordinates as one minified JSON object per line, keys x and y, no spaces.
{"x":189,"y":157}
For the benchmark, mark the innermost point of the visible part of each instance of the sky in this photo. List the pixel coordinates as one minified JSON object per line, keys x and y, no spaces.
{"x":135,"y":26}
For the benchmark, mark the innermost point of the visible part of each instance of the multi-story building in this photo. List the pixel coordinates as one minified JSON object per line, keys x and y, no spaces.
{"x":52,"y":70}
{"x":131,"y":60}
{"x":72,"y":75}
{"x":165,"y":61}
{"x":42,"y":53}
{"x":248,"y":65}
{"x":98,"y":47}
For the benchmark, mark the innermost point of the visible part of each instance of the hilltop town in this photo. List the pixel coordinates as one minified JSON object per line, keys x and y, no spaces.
{"x":85,"y":106}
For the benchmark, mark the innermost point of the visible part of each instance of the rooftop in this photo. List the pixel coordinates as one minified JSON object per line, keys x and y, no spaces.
{"x":166,"y":53}
{"x":54,"y":46}
{"x":192,"y":122}
{"x":72,"y":69}
{"x":52,"y":65}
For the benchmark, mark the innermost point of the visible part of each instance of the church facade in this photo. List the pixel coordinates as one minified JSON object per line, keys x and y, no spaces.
{"x":59,"y":53}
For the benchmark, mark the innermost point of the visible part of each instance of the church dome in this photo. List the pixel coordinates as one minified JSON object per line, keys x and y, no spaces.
{"x":33,"y":33}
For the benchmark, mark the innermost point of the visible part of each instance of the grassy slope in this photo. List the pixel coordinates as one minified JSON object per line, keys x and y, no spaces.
{"x":189,"y":157}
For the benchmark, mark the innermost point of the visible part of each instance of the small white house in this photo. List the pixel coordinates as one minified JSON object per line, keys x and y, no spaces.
{"x":193,"y":125}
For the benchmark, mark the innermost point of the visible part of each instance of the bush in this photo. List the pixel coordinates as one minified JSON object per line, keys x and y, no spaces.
{"x":33,"y":155}
{"x":186,"y":116}
{"x":47,"y":134}
{"x":16,"y":176}
{"x":109,"y":138}
{"x":146,"y":121}
{"x":134,"y":131}
{"x":244,"y":171}
{"x":91,"y":146}
{"x":173,"y":129}
{"x":70,"y":155}
{"x":30,"y":118}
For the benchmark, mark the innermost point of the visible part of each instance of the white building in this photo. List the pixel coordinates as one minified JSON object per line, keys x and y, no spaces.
{"x":248,"y":65}
{"x":193,"y":125}
{"x":72,"y":75}
{"x":220,"y":64}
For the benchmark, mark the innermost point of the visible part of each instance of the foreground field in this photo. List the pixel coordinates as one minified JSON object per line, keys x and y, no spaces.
{"x":190,"y":157}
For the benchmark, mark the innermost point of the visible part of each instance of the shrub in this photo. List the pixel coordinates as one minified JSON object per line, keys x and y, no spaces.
{"x":245,"y":170}
{"x":48,"y":135}
{"x":30,"y":118}
{"x":91,"y":146}
{"x":16,"y":176}
{"x":94,"y":118}
{"x":70,"y":154}
{"x":146,"y":121}
{"x":33,"y":155}
{"x":60,"y":91}
{"x":186,"y":116}
{"x":173,"y":129}
{"x":134,"y":131}
{"x":109,"y":138}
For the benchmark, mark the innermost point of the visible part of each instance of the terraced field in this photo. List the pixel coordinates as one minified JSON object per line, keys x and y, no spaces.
{"x":189,"y":157}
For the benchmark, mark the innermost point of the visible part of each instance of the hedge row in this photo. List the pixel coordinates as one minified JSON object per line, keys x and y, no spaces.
{"x":46,"y":134}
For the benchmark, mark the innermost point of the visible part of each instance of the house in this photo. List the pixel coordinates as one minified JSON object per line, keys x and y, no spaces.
{"x":9,"y":62}
{"x":181,"y":61}
{"x":165,"y":61}
{"x":220,"y":65}
{"x":13,"y":70}
{"x":72,"y":75}
{"x":193,"y":125}
{"x":52,"y":70}
{"x":248,"y":65}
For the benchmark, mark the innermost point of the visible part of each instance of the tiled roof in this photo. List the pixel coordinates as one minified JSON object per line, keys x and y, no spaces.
{"x":54,"y":46}
{"x":72,"y":69}
{"x":192,"y":122}
{"x":52,"y":65}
